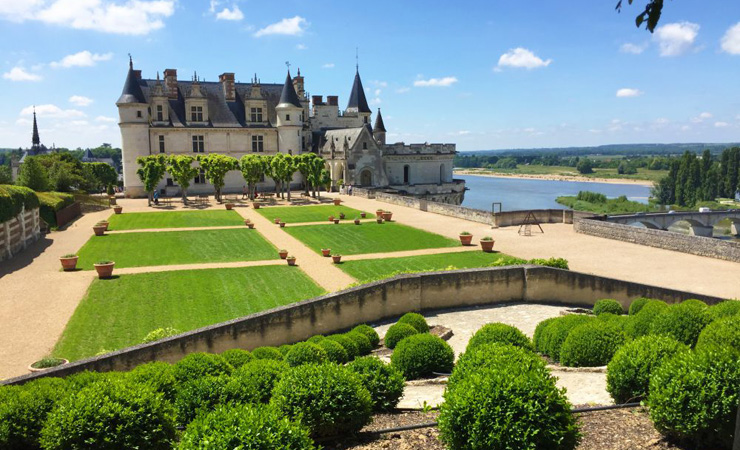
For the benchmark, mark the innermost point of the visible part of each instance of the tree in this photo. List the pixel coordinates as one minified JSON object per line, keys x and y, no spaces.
{"x":182,"y":170}
{"x":650,"y":16}
{"x":33,"y":175}
{"x":151,"y":171}
{"x":584,"y":166}
{"x":310,"y":165}
{"x":216,"y":167}
{"x":283,"y":168}
{"x":100,"y":175}
{"x":6,"y":174}
{"x":64,"y":170}
{"x":253,"y":169}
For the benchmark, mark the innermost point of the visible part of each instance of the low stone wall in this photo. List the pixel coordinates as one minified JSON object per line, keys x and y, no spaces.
{"x":362,"y":192}
{"x":68,"y":214}
{"x":19,"y":232}
{"x":375,"y":302}
{"x":695,"y":245}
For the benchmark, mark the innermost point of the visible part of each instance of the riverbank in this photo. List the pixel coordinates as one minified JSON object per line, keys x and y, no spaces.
{"x":552,"y":177}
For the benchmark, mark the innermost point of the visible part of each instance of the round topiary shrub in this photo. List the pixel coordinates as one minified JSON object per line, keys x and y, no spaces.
{"x":363,"y":342}
{"x":608,"y":305}
{"x":82,"y":380}
{"x":628,"y":373}
{"x":500,"y":333}
{"x":640,"y":323}
{"x":285,"y":349}
{"x":612,"y":319}
{"x":197,"y":395}
{"x":503,"y":357}
{"x":694,"y":397}
{"x":254,"y":381}
{"x":334,"y":351}
{"x":384,"y":382}
{"x":637,"y":305}
{"x":267,"y":353}
{"x":537,"y":339}
{"x":721,"y":333}
{"x":724,"y":309}
{"x":329,"y":399}
{"x":422,"y":354}
{"x":555,"y":333}
{"x":682,"y":322}
{"x":591,"y":344}
{"x":396,"y":333}
{"x":111,"y":414}
{"x":157,"y":375}
{"x":491,"y":409}
{"x":369,"y":332}
{"x":316,"y":339}
{"x":305,"y":353}
{"x":237,"y":357}
{"x":350,"y":346}
{"x":197,"y":365}
{"x":416,"y":320}
{"x":694,"y":302}
{"x":23,"y":410}
{"x":245,"y":427}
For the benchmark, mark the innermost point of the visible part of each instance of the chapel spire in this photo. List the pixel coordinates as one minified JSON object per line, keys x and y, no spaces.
{"x":357,"y":100}
{"x":35,"y":140}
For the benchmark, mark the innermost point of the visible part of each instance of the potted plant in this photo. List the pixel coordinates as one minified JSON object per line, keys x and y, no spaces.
{"x":341,"y":215}
{"x":282,"y":224}
{"x":99,"y":229}
{"x":486,"y":244}
{"x":118,"y":209}
{"x":387,"y":216}
{"x":379,"y":213}
{"x":277,"y":220}
{"x":46,"y":363}
{"x":336,"y":258}
{"x":363,"y":215}
{"x":291,"y":260}
{"x":466,"y":238}
{"x":229,"y":206}
{"x":336,"y":221}
{"x":379,"y":219}
{"x":250,"y":225}
{"x":104,"y":268}
{"x":256,"y":205}
{"x":357,"y":220}
{"x":283,"y":253}
{"x":69,"y":262}
{"x":326,"y":252}
{"x":104,"y":223}
{"x":111,"y":200}
{"x":337,"y":201}
{"x":331,"y":218}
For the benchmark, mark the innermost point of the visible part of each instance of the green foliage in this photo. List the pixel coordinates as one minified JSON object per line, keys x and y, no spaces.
{"x":182,"y":170}
{"x":585,"y":166}
{"x":724,"y":309}
{"x":619,"y":321}
{"x":537,"y":339}
{"x":99,"y":176}
{"x":267,"y":353}
{"x":110,"y":415}
{"x":422,"y":354}
{"x":695,"y":395}
{"x":237,"y":357}
{"x":245,"y":427}
{"x":23,"y":410}
{"x":396,"y":333}
{"x":253,"y":168}
{"x":33,"y":175}
{"x":6,"y":174}
{"x":554,"y":334}
{"x":607,"y":305}
{"x":721,"y":333}
{"x":591,"y":344}
{"x":384,"y":382}
{"x":50,"y":203}
{"x":506,"y":357}
{"x":329,"y":399}
{"x":368,"y":331}
{"x":591,"y":197}
{"x":156,"y":375}
{"x":416,"y":320}
{"x":619,"y":205}
{"x":363,"y":342}
{"x":159,"y":333}
{"x":215,"y":168}
{"x":198,"y":395}
{"x":637,"y":305}
{"x":641,"y":323}
{"x":46,"y":362}
{"x":683,"y":322}
{"x":350,"y":346}
{"x":500,"y":333}
{"x":285,"y":349}
{"x":558,"y":263}
{"x":305,"y":353}
{"x":13,"y":199}
{"x":197,"y":365}
{"x":254,"y":381}
{"x":628,"y":373}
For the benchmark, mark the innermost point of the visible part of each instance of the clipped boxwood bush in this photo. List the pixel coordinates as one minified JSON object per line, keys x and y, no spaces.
{"x":537,"y":340}
{"x":237,"y":357}
{"x":591,"y":344}
{"x":384,"y":382}
{"x":158,"y":376}
{"x":315,"y":339}
{"x":608,"y":305}
{"x":637,"y":305}
{"x":682,"y":322}
{"x":397,"y":332}
{"x":254,"y":381}
{"x":694,"y":302}
{"x":694,"y":397}
{"x":613,"y":319}
{"x":329,"y":399}
{"x":305,"y":353}
{"x":23,"y":410}
{"x":111,"y":415}
{"x":369,"y":332}
{"x":245,"y":427}
{"x":503,"y":357}
{"x":640,"y":323}
{"x":197,"y":365}
{"x":363,"y":342}
{"x":721,"y":333}
{"x":13,"y":199}
{"x":350,"y":346}
{"x":267,"y":353}
{"x":285,"y":349}
{"x":197,"y":395}
{"x":628,"y":373}
{"x":416,"y":320}
{"x":724,"y":309}
{"x":499,"y":333}
{"x":421,"y":354}
{"x":555,"y":333}
{"x":334,"y":351}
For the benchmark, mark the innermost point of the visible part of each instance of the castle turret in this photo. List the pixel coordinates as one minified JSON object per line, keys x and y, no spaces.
{"x":379,"y":129}
{"x":134,"y":122}
{"x":289,"y":121}
{"x":357,"y":104}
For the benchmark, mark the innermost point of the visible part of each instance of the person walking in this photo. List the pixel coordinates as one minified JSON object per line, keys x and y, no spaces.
{"x":244,"y":193}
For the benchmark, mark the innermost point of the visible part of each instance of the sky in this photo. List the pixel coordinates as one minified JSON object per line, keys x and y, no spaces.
{"x":480,"y":74}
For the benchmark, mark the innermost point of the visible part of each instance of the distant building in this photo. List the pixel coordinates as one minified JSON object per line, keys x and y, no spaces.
{"x":173,"y":116}
{"x":88,"y":157}
{"x":37,"y":148}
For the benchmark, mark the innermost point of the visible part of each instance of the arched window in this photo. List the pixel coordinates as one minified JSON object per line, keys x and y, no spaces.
{"x":406,"y":171}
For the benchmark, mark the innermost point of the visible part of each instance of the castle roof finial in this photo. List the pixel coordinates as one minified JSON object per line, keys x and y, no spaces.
{"x":357,"y":59}
{"x":130,"y":62}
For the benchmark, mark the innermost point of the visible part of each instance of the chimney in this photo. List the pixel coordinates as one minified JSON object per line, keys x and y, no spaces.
{"x":317,"y":100}
{"x":170,"y":82}
{"x":332,"y":100}
{"x":227,"y":84}
{"x":137,"y":74}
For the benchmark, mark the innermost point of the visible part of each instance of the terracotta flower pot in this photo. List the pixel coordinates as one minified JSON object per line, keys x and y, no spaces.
{"x":466,"y":239}
{"x":336,"y":221}
{"x":111,"y":201}
{"x":387,"y":216}
{"x":326,"y":252}
{"x":250,"y":225}
{"x":99,"y":230}
{"x":277,"y":220}
{"x":282,"y":224}
{"x":104,"y":270}
{"x":118,"y":209}
{"x":357,"y":221}
{"x":229,"y":206}
{"x":283,"y":255}
{"x":379,"y":213}
{"x":255,"y":205}
{"x":379,"y":220}
{"x":104,"y":223}
{"x":336,"y":258}
{"x":487,"y":246}
{"x":341,"y":216}
{"x":69,"y":264}
{"x":291,"y":261}
{"x":331,"y":218}
{"x":34,"y":369}
{"x":363,"y":215}
{"x":337,"y":201}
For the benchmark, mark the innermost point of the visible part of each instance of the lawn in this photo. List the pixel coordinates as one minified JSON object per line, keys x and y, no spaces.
{"x":120,"y":312}
{"x":301,"y":214}
{"x":176,"y":247}
{"x":377,"y":269}
{"x":370,"y":237}
{"x":174,"y":219}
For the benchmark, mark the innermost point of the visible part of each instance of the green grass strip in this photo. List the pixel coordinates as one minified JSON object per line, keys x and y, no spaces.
{"x":174,"y":219}
{"x":302,"y":214}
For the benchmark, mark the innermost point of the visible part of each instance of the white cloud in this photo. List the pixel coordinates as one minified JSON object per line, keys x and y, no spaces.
{"x":463,"y":132}
{"x":375,"y":101}
{"x":662,"y":121}
{"x":300,"y":47}
{"x":701,"y":117}
{"x":436,"y":82}
{"x":50,"y":110}
{"x":731,"y":40}
{"x":379,"y":83}
{"x":522,"y":58}
{"x":328,"y":66}
{"x":20,"y":74}
{"x":106,"y":119}
{"x":230,"y":14}
{"x":402,"y":90}
{"x":628,"y":92}
{"x":634,"y":49}
{"x":675,"y":39}
{"x":721,"y":124}
{"x":81,"y":59}
{"x":295,"y":26}
{"x":79,"y":100}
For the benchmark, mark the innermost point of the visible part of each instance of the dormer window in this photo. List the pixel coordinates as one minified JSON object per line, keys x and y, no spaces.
{"x":160,"y":113}
{"x":196,"y":114}
{"x":256,"y":114}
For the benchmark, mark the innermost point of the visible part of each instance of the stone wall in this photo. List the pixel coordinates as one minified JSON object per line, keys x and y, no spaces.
{"x":695,"y":245}
{"x":377,"y":302}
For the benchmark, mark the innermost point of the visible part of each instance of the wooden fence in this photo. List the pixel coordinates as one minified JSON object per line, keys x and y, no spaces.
{"x":17,"y":233}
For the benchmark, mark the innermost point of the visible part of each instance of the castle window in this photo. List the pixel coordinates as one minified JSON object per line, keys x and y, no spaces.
{"x":256,"y":114}
{"x":170,"y":182}
{"x":196,"y":114}
{"x":138,"y":114}
{"x":161,"y":144}
{"x":200,"y":178}
{"x":365,"y":119}
{"x":364,"y":145}
{"x":258,"y":144}
{"x":406,"y":177}
{"x":287,"y":117}
{"x":160,"y":113}
{"x":198,"y":144}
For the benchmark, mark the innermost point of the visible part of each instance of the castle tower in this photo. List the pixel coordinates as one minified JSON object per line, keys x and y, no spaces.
{"x":289,"y":122}
{"x":379,"y":129}
{"x":357,"y":104}
{"x":134,"y":124}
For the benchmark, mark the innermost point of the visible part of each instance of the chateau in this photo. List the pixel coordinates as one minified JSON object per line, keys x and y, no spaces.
{"x":173,"y":116}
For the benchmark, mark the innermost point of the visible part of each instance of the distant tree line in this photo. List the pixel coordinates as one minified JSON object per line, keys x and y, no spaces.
{"x":623,"y":164}
{"x":62,"y":172}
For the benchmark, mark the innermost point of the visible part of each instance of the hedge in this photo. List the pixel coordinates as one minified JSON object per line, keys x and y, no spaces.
{"x":254,"y":381}
{"x":364,"y":344}
{"x":334,"y":351}
{"x":197,"y":365}
{"x":50,"y":203}
{"x":726,"y":308}
{"x":23,"y":410}
{"x":13,"y":199}
{"x":158,"y":376}
{"x":267,"y":353}
{"x":197,"y":395}
{"x":237,"y":357}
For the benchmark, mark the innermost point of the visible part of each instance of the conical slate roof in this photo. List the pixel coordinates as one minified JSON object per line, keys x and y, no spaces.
{"x":131,"y":90}
{"x":357,"y":100}
{"x":379,"y":125}
{"x":35,"y":140}
{"x":289,"y":96}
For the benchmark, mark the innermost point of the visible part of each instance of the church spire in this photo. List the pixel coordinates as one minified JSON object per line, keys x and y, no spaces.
{"x":35,"y":140}
{"x":357,"y":100}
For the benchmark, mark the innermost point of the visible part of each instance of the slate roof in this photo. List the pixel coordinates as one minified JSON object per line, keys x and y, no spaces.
{"x":288,"y":95}
{"x":131,"y":89}
{"x":357,"y":99}
{"x":379,"y":125}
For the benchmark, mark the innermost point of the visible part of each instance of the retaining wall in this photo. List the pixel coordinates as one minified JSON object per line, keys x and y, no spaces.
{"x":695,"y":245}
{"x":375,"y":302}
{"x":19,"y":232}
{"x":68,"y":214}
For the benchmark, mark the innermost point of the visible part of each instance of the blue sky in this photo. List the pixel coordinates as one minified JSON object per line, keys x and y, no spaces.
{"x":481,"y":74}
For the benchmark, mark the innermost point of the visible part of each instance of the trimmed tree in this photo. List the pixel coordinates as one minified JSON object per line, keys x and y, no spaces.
{"x":182,"y":170}
{"x":253,"y":168}
{"x":216,"y":167}
{"x":151,"y":171}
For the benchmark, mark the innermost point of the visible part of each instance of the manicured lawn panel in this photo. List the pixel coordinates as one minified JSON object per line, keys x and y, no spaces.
{"x":377,"y":269}
{"x":176,"y":247}
{"x":120,"y":312}
{"x":370,"y":237}
{"x":174,"y":219}
{"x":301,"y":214}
